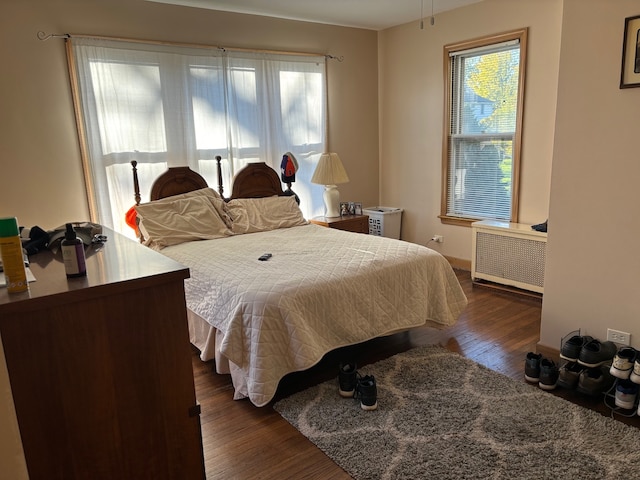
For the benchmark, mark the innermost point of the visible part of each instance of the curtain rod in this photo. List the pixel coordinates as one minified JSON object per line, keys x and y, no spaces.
{"x":43,"y":37}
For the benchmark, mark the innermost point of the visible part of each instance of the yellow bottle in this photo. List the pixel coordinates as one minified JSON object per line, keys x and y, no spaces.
{"x":12,"y":256}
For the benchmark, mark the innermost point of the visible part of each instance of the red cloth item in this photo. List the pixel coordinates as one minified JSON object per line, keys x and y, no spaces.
{"x":131,"y":217}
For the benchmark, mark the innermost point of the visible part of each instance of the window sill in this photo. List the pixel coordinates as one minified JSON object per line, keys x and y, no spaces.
{"x":461,"y":222}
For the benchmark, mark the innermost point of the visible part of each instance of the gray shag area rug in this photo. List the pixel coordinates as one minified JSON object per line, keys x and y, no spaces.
{"x":443,"y":416}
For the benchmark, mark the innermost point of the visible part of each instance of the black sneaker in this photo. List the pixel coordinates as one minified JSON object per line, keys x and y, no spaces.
{"x":540,"y":227}
{"x":532,"y":367}
{"x":571,"y":348}
{"x":596,"y":353}
{"x":347,"y":379}
{"x":367,"y":392}
{"x":548,"y":374}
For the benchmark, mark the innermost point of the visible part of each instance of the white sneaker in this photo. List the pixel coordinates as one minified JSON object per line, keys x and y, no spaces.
{"x":623,"y":363}
{"x":626,"y":393}
{"x":635,"y":374}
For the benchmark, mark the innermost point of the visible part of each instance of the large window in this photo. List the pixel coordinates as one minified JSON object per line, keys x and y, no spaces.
{"x":169,"y":105}
{"x":483,"y":128}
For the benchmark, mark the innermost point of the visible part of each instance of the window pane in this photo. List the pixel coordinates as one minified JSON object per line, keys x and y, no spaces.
{"x":140,"y":126}
{"x":207,"y":97}
{"x":245,"y":108}
{"x":481,"y":179}
{"x":490,"y":92}
{"x":300,"y":99}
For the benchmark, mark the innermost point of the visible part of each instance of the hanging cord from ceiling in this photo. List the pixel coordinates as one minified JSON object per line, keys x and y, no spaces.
{"x":432,"y":19}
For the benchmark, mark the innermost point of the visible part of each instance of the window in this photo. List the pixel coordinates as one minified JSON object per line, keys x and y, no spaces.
{"x":169,"y":105}
{"x":483,"y":127}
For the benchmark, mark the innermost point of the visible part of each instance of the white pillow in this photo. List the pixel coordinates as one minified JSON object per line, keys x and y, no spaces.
{"x":169,"y":222}
{"x":217,"y":201}
{"x":251,"y":215}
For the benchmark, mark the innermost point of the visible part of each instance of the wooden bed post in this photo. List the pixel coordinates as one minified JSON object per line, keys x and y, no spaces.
{"x":220,"y":189}
{"x":136,"y":186}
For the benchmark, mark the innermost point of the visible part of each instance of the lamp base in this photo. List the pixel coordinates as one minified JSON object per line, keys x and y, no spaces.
{"x":331,"y":198}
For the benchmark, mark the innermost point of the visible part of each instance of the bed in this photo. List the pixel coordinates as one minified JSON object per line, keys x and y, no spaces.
{"x":320,"y":290}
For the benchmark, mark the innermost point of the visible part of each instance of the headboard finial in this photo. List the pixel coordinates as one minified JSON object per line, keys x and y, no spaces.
{"x":220,"y":188}
{"x":136,"y":186}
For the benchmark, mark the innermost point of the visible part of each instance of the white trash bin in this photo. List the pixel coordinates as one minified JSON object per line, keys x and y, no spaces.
{"x":384,"y":221}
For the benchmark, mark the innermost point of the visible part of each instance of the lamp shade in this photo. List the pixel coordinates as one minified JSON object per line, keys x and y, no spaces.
{"x":330,"y":170}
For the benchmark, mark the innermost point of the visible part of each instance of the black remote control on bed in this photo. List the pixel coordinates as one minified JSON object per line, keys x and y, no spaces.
{"x":265,"y":257}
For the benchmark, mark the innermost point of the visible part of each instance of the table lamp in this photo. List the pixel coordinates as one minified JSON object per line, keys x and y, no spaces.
{"x":329,"y":173}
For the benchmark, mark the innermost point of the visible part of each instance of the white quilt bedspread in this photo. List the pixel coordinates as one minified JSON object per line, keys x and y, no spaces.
{"x":322,"y":289}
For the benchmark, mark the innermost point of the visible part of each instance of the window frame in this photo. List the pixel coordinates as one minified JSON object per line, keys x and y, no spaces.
{"x":483,"y":42}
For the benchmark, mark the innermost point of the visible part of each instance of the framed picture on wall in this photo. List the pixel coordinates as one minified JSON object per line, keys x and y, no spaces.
{"x":630,"y":76}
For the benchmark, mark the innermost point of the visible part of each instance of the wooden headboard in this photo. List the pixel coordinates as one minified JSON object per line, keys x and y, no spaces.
{"x":255,"y":180}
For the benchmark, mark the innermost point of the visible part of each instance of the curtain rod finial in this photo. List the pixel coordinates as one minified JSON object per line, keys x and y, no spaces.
{"x":43,"y":36}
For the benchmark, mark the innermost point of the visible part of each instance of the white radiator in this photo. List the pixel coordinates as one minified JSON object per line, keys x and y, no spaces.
{"x":509,"y":253}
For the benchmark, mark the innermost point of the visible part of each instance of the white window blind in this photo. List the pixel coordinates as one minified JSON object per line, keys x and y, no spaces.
{"x":483,"y":118}
{"x":169,"y":105}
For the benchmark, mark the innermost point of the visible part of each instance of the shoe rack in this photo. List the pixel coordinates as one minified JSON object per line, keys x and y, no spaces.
{"x":609,"y":394}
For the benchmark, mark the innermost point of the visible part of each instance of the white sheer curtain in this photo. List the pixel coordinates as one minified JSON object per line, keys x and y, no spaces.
{"x":168,"y":105}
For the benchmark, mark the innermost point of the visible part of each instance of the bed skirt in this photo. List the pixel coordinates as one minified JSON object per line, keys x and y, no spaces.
{"x":204,"y":337}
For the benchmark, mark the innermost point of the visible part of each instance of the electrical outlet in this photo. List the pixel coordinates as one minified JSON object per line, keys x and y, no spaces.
{"x":438,"y":238}
{"x":616,"y":336}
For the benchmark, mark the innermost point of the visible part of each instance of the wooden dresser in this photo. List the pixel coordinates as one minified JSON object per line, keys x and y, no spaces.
{"x":100,"y":367}
{"x":350,"y":223}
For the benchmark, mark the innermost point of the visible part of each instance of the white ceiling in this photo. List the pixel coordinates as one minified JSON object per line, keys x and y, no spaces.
{"x":369,"y":14}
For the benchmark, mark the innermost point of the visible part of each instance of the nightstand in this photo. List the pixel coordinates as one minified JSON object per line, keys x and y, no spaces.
{"x":350,"y":223}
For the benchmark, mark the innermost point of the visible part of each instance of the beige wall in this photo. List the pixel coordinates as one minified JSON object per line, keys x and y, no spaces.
{"x":39,"y":154}
{"x":593,"y":260}
{"x":411,"y":111}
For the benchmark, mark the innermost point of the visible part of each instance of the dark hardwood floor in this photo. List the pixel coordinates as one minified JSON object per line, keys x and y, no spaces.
{"x":497,"y":329}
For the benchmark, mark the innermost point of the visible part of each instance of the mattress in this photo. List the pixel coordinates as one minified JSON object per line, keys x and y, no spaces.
{"x":321,"y":289}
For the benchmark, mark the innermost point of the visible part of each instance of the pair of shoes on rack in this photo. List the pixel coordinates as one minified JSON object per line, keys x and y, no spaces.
{"x":588,"y":381}
{"x":540,"y":370}
{"x":352,"y":385}
{"x":588,"y":351}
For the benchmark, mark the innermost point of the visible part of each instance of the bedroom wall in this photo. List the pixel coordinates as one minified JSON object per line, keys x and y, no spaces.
{"x":411,"y":87}
{"x":38,"y":140}
{"x":591,"y":281}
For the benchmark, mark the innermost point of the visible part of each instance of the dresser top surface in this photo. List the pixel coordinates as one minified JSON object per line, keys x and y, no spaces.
{"x":118,"y":261}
